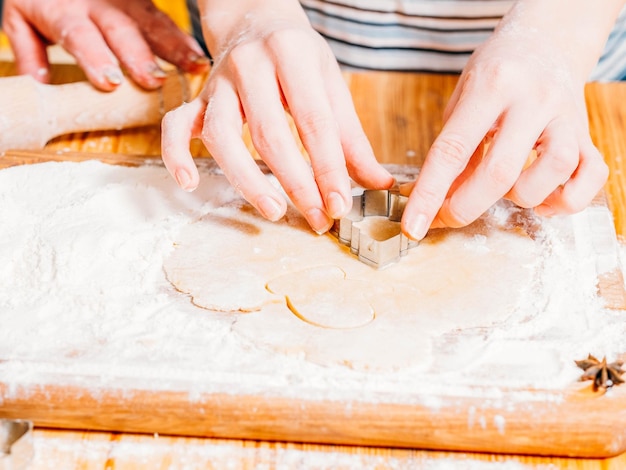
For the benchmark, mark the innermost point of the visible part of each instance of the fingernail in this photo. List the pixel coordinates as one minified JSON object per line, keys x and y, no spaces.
{"x":336,"y":205}
{"x":318,"y":220}
{"x":545,"y":210}
{"x":183,"y":178}
{"x":437,"y":223}
{"x":113,"y":76}
{"x":389,"y":175}
{"x":156,"y":71}
{"x":42,"y":72}
{"x":270,"y":208}
{"x":199,"y":59}
{"x":417,"y":226}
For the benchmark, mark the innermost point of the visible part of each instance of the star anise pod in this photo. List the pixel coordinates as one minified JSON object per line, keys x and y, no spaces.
{"x":604,"y":375}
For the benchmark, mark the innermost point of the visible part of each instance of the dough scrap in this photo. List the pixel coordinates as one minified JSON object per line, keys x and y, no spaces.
{"x":323,"y":297}
{"x":454,"y":281}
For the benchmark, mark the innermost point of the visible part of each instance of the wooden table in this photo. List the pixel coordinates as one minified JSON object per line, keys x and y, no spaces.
{"x":420,"y":115}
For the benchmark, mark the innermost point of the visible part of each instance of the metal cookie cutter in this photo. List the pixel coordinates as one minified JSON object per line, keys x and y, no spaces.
{"x":370,"y":202}
{"x":16,"y":444}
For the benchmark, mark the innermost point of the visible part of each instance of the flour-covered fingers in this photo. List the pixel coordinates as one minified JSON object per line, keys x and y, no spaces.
{"x":179,"y":126}
{"x":446,"y":160}
{"x":221,"y":135}
{"x":83,"y":39}
{"x":359,"y":156}
{"x":306,"y":95}
{"x":584,"y":184}
{"x":29,"y":29}
{"x":28,"y":47}
{"x":126,"y":41}
{"x":557,"y":159}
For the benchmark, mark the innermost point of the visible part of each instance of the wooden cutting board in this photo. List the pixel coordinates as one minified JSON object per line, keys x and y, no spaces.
{"x":573,"y":422}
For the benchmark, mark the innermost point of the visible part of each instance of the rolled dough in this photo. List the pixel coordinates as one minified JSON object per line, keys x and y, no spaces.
{"x":295,"y":292}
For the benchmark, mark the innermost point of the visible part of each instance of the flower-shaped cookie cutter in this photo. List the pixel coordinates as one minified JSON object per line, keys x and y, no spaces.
{"x":372,"y":202}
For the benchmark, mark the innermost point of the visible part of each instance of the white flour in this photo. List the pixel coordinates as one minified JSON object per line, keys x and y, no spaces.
{"x":52,"y":452}
{"x":84,"y":300}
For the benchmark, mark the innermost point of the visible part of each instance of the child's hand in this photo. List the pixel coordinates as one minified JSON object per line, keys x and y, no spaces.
{"x":268,"y":61}
{"x":521,"y":90}
{"x":101,"y":35}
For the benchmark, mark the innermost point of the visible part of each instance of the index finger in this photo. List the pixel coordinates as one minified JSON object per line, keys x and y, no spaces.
{"x":179,"y":126}
{"x":472,"y":118}
{"x":306,"y":94}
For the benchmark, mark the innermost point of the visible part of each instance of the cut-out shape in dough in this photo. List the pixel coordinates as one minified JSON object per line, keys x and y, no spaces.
{"x":323,"y":297}
{"x":456,"y":281}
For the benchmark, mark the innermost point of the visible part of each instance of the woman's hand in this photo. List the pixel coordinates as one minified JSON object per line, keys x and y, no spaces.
{"x":268,"y":59}
{"x":101,"y":35}
{"x":521,"y":90}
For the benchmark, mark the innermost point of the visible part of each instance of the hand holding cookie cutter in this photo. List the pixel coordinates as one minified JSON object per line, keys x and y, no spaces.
{"x":369,"y":202}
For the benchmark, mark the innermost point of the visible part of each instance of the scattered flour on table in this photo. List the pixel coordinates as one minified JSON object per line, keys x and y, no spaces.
{"x":141,"y":452}
{"x":84,"y":299}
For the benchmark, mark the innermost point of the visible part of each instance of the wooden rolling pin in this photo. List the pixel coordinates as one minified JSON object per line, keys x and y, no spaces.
{"x":32,"y":113}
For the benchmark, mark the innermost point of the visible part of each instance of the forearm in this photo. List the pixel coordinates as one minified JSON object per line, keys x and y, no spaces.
{"x":225,"y":21}
{"x":578,"y":29}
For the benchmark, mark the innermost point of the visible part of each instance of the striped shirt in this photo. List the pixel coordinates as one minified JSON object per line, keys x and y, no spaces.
{"x":426,"y":35}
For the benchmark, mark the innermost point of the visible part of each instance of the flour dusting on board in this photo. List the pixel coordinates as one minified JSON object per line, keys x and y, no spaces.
{"x":52,"y":452}
{"x":84,"y":300}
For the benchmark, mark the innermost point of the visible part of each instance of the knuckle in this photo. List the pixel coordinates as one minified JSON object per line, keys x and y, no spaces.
{"x":67,"y":31}
{"x":501,"y":70}
{"x":429,"y":196}
{"x":241,"y":54}
{"x":451,"y":152}
{"x":546,"y":97}
{"x":286,"y":41}
{"x":298,"y":192}
{"x":329,"y":171}
{"x":598,"y":168}
{"x":8,"y":24}
{"x":118,"y":25}
{"x":210,"y":133}
{"x":314,"y":123}
{"x":565,"y":160}
{"x":495,"y":74}
{"x":501,"y":172}
{"x":118,"y":31}
{"x":173,"y":117}
{"x":237,"y":61}
{"x":575,"y":203}
{"x":489,"y":72}
{"x":278,"y":39}
{"x":601,"y":171}
{"x":169,"y":119}
{"x":576,"y":199}
{"x":524,"y":198}
{"x":266,"y":137}
{"x":455,"y":216}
